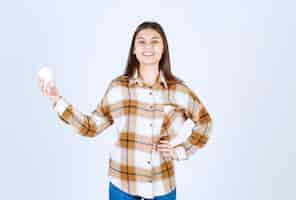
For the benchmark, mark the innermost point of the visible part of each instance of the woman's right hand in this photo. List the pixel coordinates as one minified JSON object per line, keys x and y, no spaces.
{"x":49,"y":89}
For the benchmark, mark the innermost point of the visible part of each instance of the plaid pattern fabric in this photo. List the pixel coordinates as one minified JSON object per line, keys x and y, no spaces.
{"x":142,"y":115}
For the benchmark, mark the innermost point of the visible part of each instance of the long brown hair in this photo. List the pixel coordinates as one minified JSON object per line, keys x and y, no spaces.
{"x":164,"y":63}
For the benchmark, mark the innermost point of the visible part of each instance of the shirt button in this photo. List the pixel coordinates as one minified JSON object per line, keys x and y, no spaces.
{"x":151,"y":124}
{"x":148,"y":162}
{"x":150,"y":93}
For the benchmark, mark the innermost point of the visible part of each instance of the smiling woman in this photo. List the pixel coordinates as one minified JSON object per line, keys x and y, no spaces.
{"x":149,"y":105}
{"x":148,"y":47}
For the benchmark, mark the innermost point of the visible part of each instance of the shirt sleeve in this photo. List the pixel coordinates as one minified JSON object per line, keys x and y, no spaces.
{"x":88,"y":125}
{"x":197,"y":112}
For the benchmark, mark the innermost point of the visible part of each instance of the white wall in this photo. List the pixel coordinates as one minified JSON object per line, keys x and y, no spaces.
{"x":239,"y":56}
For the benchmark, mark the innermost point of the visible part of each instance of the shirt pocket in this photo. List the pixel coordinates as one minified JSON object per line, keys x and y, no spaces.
{"x":173,"y":120}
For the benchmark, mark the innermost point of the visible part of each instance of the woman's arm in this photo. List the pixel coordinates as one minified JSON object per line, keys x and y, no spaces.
{"x":197,"y":112}
{"x":88,"y":125}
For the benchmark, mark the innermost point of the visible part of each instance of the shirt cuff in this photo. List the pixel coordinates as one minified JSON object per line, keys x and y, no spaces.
{"x":60,"y":106}
{"x":181,"y":153}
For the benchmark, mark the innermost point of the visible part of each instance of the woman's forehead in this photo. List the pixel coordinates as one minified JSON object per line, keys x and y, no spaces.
{"x":148,"y":33}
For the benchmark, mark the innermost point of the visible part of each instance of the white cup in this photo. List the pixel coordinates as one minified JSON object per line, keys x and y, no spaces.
{"x":45,"y":73}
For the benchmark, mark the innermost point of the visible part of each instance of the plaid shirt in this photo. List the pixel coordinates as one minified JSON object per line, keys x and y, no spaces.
{"x":142,"y":115}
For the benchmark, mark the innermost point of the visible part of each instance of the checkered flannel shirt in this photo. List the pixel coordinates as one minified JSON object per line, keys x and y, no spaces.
{"x":142,"y":115}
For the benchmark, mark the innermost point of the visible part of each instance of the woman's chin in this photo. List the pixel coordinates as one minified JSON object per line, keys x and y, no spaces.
{"x":149,"y":62}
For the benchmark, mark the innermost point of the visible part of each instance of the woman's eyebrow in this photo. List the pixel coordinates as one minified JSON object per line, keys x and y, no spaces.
{"x":141,"y":37}
{"x":156,"y":37}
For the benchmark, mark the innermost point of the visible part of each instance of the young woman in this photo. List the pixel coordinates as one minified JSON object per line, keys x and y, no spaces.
{"x":148,"y":105}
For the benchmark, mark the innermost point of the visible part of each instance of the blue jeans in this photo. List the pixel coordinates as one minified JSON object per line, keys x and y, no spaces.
{"x":116,"y":194}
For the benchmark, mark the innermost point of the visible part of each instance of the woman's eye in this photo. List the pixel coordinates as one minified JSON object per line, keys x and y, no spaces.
{"x":155,"y":41}
{"x":141,"y":42}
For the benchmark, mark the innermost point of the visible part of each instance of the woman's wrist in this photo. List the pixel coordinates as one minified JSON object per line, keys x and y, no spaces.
{"x":54,"y":100}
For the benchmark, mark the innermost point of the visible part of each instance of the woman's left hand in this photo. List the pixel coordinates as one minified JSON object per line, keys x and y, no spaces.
{"x":166,"y":150}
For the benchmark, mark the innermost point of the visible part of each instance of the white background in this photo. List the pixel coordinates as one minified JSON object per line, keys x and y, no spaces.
{"x":239,"y":56}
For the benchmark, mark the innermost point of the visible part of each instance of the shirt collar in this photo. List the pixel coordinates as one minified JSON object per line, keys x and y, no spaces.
{"x":137,"y":80}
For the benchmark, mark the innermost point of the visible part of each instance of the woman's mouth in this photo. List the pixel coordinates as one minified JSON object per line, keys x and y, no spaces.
{"x":148,"y":54}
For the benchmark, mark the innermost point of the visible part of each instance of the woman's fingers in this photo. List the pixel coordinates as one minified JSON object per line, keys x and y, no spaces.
{"x":42,"y":86}
{"x":163,"y":148}
{"x":163,"y":141}
{"x":47,"y":88}
{"x":53,"y":89}
{"x":164,"y":151}
{"x":163,"y":145}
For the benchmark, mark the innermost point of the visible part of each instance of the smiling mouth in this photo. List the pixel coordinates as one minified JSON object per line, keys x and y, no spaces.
{"x":148,"y":54}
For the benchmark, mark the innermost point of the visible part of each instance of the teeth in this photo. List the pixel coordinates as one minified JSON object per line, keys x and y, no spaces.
{"x":148,"y":54}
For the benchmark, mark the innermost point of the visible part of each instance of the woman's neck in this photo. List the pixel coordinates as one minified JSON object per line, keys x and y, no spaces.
{"x":149,"y":73}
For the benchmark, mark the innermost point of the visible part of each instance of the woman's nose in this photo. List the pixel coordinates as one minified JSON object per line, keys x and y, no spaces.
{"x":148,"y":46}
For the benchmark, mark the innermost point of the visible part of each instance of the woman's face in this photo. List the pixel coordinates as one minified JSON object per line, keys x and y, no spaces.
{"x":148,"y":47}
